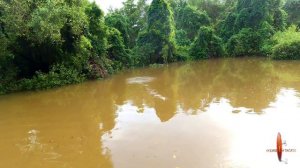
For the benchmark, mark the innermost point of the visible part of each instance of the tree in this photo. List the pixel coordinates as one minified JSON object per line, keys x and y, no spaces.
{"x":207,"y":45}
{"x":190,"y":19}
{"x":6,"y":56}
{"x":96,"y":30}
{"x":292,"y":7}
{"x":136,"y":16}
{"x":41,"y":38}
{"x":119,"y":22}
{"x":43,"y":33}
{"x":246,"y":43}
{"x":214,"y":8}
{"x":256,"y":17}
{"x":117,"y":51}
{"x":157,"y":42}
{"x":252,"y":14}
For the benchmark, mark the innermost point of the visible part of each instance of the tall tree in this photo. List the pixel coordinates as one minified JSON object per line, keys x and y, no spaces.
{"x":96,"y":29}
{"x":292,"y":7}
{"x":119,"y":22}
{"x":189,"y":19}
{"x":135,"y":13}
{"x":214,"y":8}
{"x":158,"y":41}
{"x":251,"y":18}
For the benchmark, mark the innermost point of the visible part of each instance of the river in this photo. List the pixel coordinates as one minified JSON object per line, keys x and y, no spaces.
{"x":215,"y":113}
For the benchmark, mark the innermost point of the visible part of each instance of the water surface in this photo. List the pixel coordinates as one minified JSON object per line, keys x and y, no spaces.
{"x":212,"y":114}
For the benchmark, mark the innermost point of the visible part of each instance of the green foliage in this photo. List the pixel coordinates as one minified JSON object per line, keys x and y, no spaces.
{"x":7,"y":70}
{"x":190,"y":20}
{"x":246,"y":43}
{"x":37,"y":35}
{"x":182,"y":53}
{"x":182,"y":38}
{"x":290,"y":35}
{"x":148,"y":48}
{"x":135,"y":13}
{"x":119,"y":22}
{"x":290,"y":51}
{"x":8,"y":73}
{"x":253,"y":13}
{"x":265,"y":34}
{"x":214,"y":8}
{"x":249,"y":42}
{"x":248,"y":28}
{"x":207,"y":45}
{"x":279,"y":20}
{"x":157,"y":43}
{"x":117,"y":50}
{"x":59,"y":75}
{"x":46,"y":44}
{"x":286,"y":44}
{"x":5,"y":54}
{"x":160,"y":19}
{"x":226,"y":27}
{"x":292,"y":7}
{"x":43,"y":33}
{"x":96,"y":30}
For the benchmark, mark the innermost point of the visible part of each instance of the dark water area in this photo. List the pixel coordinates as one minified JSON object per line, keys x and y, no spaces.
{"x":212,"y":114}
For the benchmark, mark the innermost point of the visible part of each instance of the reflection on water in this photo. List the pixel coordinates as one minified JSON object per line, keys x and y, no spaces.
{"x":139,"y":80}
{"x":214,"y":113}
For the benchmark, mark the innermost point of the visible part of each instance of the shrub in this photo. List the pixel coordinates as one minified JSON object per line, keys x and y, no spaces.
{"x":58,"y":76}
{"x":286,"y":44}
{"x":246,"y":42}
{"x":284,"y":51}
{"x":182,"y":53}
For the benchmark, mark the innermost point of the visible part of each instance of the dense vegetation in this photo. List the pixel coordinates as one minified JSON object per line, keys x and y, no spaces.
{"x":46,"y":44}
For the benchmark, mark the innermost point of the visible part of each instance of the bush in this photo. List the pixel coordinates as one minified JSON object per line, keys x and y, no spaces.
{"x":289,"y":35}
{"x":286,"y":44}
{"x":182,"y":53}
{"x":59,"y":75}
{"x":287,"y":51}
{"x":247,"y":42}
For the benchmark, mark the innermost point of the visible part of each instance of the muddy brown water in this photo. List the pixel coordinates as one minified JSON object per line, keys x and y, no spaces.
{"x":209,"y":114}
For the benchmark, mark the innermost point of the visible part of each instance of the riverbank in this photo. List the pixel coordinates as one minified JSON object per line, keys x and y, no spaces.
{"x":42,"y":48}
{"x":66,"y":77}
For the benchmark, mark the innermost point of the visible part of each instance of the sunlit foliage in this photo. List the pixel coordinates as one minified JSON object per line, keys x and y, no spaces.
{"x":286,"y":44}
